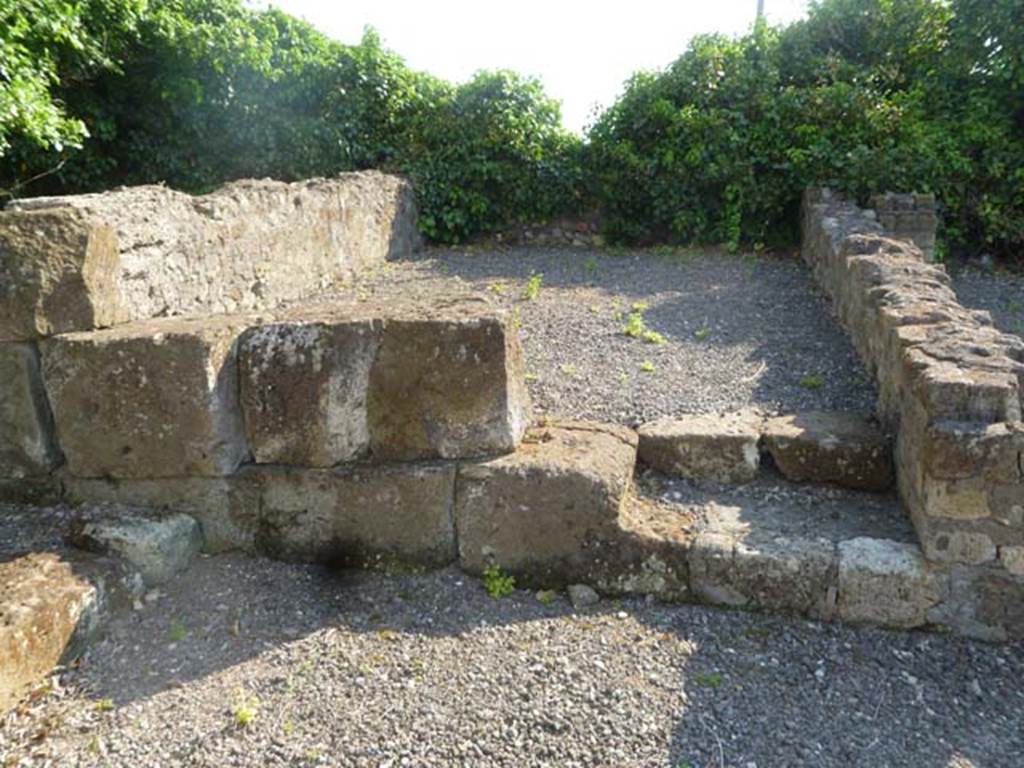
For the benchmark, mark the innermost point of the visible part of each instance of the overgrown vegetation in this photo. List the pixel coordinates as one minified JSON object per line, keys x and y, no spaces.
{"x":865,"y":95}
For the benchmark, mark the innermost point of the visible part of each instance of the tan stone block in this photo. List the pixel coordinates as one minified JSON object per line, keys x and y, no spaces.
{"x":549,"y":512}
{"x":358,"y":516}
{"x":839,"y":448}
{"x":227,"y":508}
{"x":59,"y":272}
{"x":448,"y":385}
{"x":27,"y":445}
{"x":303,"y":391}
{"x":1012,"y":559}
{"x":885,"y":582}
{"x":148,"y":400}
{"x":949,"y":545}
{"x":965,"y":499}
{"x":41,"y":603}
{"x":719,"y":448}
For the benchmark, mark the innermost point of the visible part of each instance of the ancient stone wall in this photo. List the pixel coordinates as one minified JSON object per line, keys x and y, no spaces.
{"x":950,"y":385}
{"x":90,"y":261}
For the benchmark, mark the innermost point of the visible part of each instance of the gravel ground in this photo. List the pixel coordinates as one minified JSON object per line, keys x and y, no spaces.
{"x":1001,"y":293}
{"x":256,"y":663}
{"x":739,"y":331}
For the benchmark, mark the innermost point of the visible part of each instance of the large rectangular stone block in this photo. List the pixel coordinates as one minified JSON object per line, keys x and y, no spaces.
{"x":148,"y":400}
{"x":58,"y":272}
{"x":227,"y":508}
{"x":359,"y":516}
{"x":549,"y":512}
{"x":27,"y":446}
{"x":303,"y":390}
{"x":402,"y":381}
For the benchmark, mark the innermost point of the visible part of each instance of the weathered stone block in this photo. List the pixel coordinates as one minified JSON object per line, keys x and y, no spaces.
{"x":357,"y":516}
{"x":984,"y":602}
{"x":58,"y":272}
{"x":304,"y":391}
{"x":404,"y":381}
{"x":449,"y":384}
{"x":157,"y":546}
{"x":148,"y":400}
{"x":957,"y":450}
{"x":549,"y":512}
{"x":950,"y":544}
{"x":830,"y":448}
{"x":778,"y":573}
{"x":42,"y":601}
{"x":886,"y":582}
{"x":250,"y":245}
{"x":227,"y":508}
{"x":721,"y":449}
{"x":27,"y":447}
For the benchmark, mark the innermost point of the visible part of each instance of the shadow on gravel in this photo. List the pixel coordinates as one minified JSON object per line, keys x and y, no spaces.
{"x":701,"y":687}
{"x":793,"y":351}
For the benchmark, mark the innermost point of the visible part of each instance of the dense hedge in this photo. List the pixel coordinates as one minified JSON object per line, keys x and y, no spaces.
{"x":197,"y":92}
{"x":866,"y":95}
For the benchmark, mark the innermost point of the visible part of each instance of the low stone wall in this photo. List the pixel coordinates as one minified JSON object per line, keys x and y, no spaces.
{"x":950,"y":385}
{"x":90,"y":261}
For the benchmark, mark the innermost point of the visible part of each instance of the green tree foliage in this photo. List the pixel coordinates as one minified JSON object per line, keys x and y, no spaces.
{"x":865,"y":95}
{"x":198,"y":92}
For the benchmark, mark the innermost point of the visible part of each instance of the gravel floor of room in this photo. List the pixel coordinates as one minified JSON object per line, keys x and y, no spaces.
{"x":737,"y":331}
{"x":247,"y":662}
{"x":1000,"y":292}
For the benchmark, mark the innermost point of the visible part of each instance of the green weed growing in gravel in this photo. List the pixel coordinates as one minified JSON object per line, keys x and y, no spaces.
{"x":517,"y":320}
{"x":647,"y":366}
{"x":104,"y":705}
{"x":532,"y":289}
{"x":636,"y":328}
{"x":812,"y":381}
{"x":497,"y":584}
{"x":590,"y":266}
{"x":177,"y":632}
{"x":701,"y":333}
{"x":246,"y":708}
{"x":498,"y":288}
{"x":569,"y":370}
{"x":546,"y":596}
{"x":708,"y":679}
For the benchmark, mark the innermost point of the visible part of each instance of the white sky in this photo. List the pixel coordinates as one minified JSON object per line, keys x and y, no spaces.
{"x":582,"y":51}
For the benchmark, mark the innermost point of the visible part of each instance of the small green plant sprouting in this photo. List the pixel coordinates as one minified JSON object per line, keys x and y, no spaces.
{"x":104,"y":705}
{"x":812,"y":381}
{"x":635,"y":327}
{"x":497,"y":584}
{"x":517,"y":320}
{"x":569,"y":370}
{"x":245,"y":709}
{"x":498,"y":288}
{"x":178,"y":632}
{"x":546,"y":596}
{"x":590,"y":266}
{"x":701,"y":333}
{"x":708,"y":679}
{"x":532,"y":289}
{"x":647,"y":366}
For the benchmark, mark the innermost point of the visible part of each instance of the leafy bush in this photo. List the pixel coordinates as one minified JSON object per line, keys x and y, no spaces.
{"x":864,"y":95}
{"x":198,"y":92}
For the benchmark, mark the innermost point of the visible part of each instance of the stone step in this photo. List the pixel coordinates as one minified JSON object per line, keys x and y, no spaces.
{"x":836,"y":448}
{"x":54,"y":599}
{"x":195,"y":397}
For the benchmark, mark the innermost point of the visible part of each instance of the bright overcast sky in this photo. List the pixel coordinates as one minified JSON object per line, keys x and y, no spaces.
{"x":583,"y":52}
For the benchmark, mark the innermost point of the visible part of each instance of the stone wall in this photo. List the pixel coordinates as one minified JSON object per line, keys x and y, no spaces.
{"x":950,"y":385}
{"x":90,"y":261}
